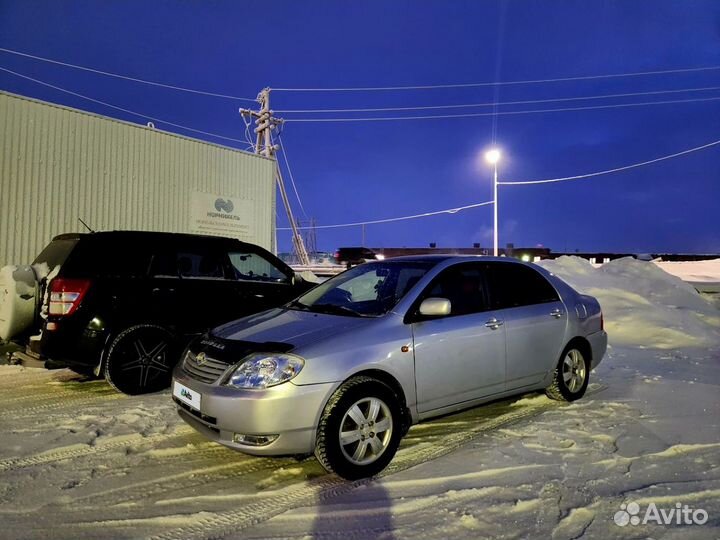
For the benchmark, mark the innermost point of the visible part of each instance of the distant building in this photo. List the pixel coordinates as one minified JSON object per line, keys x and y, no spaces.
{"x":530,"y":254}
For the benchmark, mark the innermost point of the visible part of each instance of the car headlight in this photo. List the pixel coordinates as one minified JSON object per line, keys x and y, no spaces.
{"x":265,"y":370}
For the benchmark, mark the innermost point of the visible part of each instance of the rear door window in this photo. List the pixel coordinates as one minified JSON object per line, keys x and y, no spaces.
{"x":515,"y":285}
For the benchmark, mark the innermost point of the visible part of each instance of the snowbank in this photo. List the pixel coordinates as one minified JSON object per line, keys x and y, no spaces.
{"x":643,"y":305}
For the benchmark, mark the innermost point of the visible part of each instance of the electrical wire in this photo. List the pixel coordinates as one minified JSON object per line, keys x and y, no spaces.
{"x":248,"y":136}
{"x":527,"y":182}
{"x":388,"y":220}
{"x":500,"y":83}
{"x":608,"y":171}
{"x":128,"y":111}
{"x":292,"y":178}
{"x":500,"y":113}
{"x":125,"y":77}
{"x":492,"y":104}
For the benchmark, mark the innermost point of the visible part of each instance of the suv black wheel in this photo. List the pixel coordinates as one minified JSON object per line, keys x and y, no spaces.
{"x":571,"y":375}
{"x":360,"y":429}
{"x":141,"y":359}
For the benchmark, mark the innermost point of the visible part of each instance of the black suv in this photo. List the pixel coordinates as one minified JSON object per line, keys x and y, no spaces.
{"x":351,"y":256}
{"x":126,"y":303}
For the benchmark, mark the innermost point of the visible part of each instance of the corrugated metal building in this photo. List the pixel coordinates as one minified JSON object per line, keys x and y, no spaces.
{"x":59,"y":164}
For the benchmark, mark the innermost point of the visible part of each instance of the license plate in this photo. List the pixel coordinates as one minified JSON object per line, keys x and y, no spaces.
{"x":184,"y":394}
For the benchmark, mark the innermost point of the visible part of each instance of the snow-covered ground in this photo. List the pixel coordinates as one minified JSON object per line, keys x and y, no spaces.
{"x":78,"y":460}
{"x":705,"y":272}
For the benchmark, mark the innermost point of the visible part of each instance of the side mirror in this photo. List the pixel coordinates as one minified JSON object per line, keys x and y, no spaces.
{"x":435,"y":307}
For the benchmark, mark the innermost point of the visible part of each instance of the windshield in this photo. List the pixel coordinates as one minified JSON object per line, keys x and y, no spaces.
{"x":368,"y":290}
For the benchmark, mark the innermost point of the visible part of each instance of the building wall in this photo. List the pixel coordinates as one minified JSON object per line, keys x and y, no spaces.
{"x":59,"y":164}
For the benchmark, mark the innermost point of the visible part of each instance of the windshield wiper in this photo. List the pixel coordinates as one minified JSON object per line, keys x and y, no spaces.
{"x":335,"y":309}
{"x":299,"y":305}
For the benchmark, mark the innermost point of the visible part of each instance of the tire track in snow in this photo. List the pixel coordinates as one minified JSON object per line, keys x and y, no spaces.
{"x":16,"y":377}
{"x":330,"y":486}
{"x":53,"y":394}
{"x":60,"y":404}
{"x":81,"y":450}
{"x":190,"y":479}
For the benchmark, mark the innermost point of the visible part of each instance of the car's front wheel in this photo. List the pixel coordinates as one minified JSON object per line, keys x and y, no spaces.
{"x":360,"y":429}
{"x":571,"y":375}
{"x":141,"y":359}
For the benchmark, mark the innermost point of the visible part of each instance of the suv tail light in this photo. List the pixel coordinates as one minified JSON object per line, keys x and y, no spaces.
{"x":66,"y":295}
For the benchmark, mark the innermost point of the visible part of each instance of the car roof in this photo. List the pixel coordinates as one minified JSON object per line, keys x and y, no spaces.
{"x":146,"y":235}
{"x":451,"y":258}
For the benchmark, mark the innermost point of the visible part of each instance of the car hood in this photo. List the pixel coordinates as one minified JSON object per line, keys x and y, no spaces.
{"x":291,"y":327}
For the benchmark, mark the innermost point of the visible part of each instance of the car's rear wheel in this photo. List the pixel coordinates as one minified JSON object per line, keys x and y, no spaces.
{"x":360,"y":429}
{"x":141,"y":359}
{"x":571,"y":375}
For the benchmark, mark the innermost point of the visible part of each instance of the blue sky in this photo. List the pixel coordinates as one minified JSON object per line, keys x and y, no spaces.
{"x":359,"y":171}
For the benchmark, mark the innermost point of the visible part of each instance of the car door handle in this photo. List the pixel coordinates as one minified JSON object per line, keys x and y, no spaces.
{"x":556,"y":313}
{"x":493,"y":324}
{"x":157,"y":290}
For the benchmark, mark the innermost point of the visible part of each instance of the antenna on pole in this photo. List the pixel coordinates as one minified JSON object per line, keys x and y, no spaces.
{"x":265,"y":123}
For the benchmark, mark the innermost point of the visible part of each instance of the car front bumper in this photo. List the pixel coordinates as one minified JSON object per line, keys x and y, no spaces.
{"x":288,"y":411}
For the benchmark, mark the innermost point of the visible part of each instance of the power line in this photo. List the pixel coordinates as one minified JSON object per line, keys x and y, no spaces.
{"x":527,"y":182}
{"x":608,"y":171}
{"x":426,"y":214}
{"x":128,"y":111}
{"x":502,"y":113}
{"x":492,"y":104}
{"x":500,"y":83}
{"x":125,"y":77}
{"x":292,"y":178}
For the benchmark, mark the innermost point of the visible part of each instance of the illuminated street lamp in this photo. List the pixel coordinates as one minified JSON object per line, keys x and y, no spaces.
{"x":492,"y":157}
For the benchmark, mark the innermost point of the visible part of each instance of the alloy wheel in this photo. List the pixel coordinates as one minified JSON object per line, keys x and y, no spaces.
{"x":573,"y":370}
{"x":365,"y":431}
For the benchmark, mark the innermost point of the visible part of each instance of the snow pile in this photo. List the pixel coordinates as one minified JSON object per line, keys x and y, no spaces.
{"x":642,"y":304}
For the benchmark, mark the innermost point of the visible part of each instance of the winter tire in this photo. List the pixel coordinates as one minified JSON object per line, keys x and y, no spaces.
{"x":141,"y":359}
{"x":571,"y":375}
{"x":360,"y":429}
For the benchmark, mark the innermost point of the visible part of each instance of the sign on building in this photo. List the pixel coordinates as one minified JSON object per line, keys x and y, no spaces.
{"x":219,"y":215}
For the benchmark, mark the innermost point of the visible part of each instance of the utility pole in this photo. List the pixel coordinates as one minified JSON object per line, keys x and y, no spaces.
{"x":265,"y":123}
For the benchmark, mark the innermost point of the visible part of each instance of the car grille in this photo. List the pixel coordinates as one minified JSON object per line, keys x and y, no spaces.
{"x":207,"y":371}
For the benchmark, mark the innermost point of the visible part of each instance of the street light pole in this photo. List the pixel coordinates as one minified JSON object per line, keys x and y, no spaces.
{"x":492,"y":157}
{"x":495,"y":210}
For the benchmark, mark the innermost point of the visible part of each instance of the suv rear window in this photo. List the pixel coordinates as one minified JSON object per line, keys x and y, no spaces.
{"x":107,"y":257}
{"x":56,"y":252}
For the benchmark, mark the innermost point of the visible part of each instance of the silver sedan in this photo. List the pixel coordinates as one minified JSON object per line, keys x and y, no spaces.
{"x":347,"y":368}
